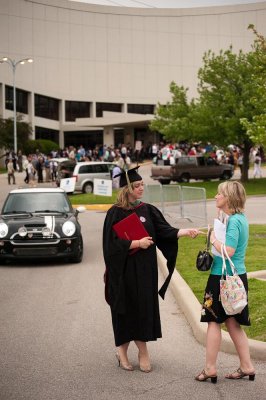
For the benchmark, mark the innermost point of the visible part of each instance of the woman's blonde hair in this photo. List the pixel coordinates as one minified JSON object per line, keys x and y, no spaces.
{"x":122,"y":197}
{"x":236,"y":195}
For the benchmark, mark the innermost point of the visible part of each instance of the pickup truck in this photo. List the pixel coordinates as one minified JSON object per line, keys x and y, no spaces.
{"x":190,"y":167}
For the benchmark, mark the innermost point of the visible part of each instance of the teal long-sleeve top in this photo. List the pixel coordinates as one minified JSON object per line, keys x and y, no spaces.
{"x":237,"y":233}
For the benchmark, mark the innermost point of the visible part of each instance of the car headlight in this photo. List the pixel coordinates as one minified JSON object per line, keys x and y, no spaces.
{"x":3,"y":229}
{"x":22,"y":231}
{"x":69,"y":228}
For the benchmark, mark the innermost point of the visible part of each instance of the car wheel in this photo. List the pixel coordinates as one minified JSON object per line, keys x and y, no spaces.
{"x":225,"y":176}
{"x":185,"y":178}
{"x":164,"y":181}
{"x":88,"y":188}
{"x":77,"y":258}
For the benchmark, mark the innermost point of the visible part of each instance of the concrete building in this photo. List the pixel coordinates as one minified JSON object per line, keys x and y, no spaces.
{"x":99,"y":71}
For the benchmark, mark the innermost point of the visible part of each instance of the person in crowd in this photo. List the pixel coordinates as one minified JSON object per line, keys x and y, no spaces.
{"x":20,"y":161}
{"x":131,"y":278}
{"x":47,"y":167}
{"x":25,"y":167}
{"x":31,"y":172}
{"x":257,"y":166}
{"x":230,"y":200}
{"x":10,"y":172}
{"x":40,"y":168}
{"x":240,"y":161}
{"x":115,"y":177}
{"x":53,"y":169}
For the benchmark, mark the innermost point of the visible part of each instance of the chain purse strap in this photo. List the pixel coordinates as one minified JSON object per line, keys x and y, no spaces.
{"x":208,"y":239}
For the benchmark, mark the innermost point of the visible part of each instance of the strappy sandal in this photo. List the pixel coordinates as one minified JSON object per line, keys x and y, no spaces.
{"x":213,"y":378}
{"x":239,"y":374}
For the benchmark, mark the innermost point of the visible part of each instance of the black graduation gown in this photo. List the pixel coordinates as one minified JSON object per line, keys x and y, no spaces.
{"x":132,"y":280}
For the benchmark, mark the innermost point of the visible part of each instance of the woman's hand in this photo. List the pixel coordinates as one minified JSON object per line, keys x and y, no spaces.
{"x":190,"y":232}
{"x":145,"y":242}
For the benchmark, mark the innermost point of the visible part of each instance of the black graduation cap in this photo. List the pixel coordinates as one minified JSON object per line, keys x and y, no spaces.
{"x":129,"y":176}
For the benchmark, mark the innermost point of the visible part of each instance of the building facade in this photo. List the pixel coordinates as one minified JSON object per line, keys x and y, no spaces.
{"x":99,"y":71}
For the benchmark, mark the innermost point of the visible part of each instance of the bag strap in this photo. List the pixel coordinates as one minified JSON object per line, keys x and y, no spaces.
{"x":208,"y":239}
{"x":225,"y":254}
{"x":224,"y":270}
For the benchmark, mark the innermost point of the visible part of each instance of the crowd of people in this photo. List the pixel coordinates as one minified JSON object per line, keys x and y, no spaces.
{"x":41,"y":167}
{"x":232,"y":155}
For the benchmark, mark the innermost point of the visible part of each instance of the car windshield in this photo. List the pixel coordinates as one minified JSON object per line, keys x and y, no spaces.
{"x":36,"y":202}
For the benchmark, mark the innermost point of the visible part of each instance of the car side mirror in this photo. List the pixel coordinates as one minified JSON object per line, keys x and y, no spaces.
{"x":80,"y":209}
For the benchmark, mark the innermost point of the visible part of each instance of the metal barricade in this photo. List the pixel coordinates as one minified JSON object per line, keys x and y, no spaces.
{"x":153,"y":195}
{"x":194,"y":203}
{"x":177,"y":201}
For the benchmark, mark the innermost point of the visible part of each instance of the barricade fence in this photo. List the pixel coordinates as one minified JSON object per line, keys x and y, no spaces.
{"x":177,"y":201}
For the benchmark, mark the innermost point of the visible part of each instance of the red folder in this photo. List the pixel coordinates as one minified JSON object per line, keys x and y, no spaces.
{"x":130,"y":228}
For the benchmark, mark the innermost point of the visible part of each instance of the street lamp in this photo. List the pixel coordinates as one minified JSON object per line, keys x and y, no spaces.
{"x":13,"y":64}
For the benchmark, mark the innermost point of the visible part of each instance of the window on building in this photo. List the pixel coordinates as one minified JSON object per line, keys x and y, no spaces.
{"x":119,"y":135}
{"x":21,"y":100}
{"x":46,"y":133}
{"x":141,"y":108}
{"x":100,"y":107}
{"x":46,"y":107}
{"x":89,"y":139}
{"x":77,"y":109}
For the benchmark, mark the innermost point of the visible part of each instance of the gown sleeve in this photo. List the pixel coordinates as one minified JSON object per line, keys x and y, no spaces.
{"x":115,"y":252}
{"x":167,"y":242}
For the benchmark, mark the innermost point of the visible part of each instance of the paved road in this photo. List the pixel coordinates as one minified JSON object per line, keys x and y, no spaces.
{"x":56,"y":341}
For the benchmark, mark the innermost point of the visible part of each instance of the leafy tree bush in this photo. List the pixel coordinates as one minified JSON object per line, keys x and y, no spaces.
{"x":24,"y":132}
{"x":43,"y":145}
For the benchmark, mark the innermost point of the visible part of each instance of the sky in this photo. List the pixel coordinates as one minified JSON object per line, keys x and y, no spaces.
{"x":167,"y":3}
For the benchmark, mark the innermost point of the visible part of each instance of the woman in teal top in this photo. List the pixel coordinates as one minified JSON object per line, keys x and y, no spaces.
{"x":236,"y":238}
{"x":230,"y":199}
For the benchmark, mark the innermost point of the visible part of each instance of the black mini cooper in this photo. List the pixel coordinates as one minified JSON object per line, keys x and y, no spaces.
{"x":40,"y":224}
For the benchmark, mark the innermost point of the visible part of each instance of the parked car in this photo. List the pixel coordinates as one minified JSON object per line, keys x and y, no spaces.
{"x":40,"y":223}
{"x":190,"y":167}
{"x":85,"y":172}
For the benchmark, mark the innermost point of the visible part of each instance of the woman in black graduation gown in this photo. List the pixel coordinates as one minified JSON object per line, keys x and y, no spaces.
{"x":132,"y":277}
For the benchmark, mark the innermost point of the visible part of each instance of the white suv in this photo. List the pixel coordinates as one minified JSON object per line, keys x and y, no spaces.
{"x":85,"y":172}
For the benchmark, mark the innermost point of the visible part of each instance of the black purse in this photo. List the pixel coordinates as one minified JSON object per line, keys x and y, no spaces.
{"x":204,"y":258}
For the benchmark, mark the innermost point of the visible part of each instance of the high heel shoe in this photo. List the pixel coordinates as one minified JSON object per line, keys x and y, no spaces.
{"x":239,"y":374}
{"x":213,"y":378}
{"x":126,"y":367}
{"x":144,"y":367}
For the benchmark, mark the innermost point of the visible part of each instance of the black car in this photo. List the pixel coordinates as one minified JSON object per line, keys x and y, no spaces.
{"x":40,"y":224}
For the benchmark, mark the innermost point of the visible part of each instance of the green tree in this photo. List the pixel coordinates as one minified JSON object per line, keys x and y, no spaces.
{"x":231,"y":94}
{"x":228,"y":85}
{"x":173,"y":119}
{"x":24,"y":132}
{"x":256,"y":129}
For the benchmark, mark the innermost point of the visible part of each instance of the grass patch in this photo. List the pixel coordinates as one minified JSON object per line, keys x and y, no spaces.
{"x":255,"y":260}
{"x":253,"y":187}
{"x":82,"y":198}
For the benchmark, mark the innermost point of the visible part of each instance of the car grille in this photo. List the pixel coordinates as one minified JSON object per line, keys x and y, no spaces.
{"x":35,"y":251}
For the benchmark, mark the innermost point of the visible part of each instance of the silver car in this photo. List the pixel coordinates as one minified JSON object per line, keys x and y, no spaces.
{"x":85,"y":172}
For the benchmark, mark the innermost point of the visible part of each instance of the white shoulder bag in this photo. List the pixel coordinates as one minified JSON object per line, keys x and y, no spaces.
{"x":232,"y":291}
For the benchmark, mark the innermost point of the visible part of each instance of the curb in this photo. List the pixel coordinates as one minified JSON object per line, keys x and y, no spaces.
{"x":93,"y":207}
{"x":191,"y":308}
